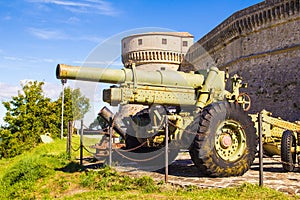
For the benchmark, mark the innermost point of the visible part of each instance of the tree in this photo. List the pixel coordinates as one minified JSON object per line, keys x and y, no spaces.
{"x":31,"y":114}
{"x":98,"y":123}
{"x":28,"y":115}
{"x":75,"y":106}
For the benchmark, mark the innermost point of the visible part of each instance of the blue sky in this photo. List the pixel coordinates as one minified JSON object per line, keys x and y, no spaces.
{"x":36,"y":35}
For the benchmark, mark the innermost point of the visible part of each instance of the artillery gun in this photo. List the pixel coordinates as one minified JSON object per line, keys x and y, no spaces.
{"x":280,"y":137}
{"x":209,"y":121}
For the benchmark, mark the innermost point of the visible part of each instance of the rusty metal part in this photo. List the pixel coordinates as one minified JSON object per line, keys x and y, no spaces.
{"x":109,"y":116}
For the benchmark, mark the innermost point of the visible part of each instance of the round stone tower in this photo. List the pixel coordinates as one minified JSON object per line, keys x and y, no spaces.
{"x":156,"y":50}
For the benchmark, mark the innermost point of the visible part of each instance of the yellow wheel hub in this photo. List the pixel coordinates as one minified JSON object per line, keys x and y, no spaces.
{"x":230,"y":140}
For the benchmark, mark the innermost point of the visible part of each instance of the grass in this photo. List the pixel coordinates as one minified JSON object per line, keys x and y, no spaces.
{"x":46,"y":172}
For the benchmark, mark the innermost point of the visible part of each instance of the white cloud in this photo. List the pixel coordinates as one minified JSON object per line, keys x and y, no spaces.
{"x":25,"y":81}
{"x":12,"y":58}
{"x":83,"y":6}
{"x":106,"y":63}
{"x":48,"y":34}
{"x":7,"y":18}
{"x":41,"y":60}
{"x":8,"y":90}
{"x":94,"y":39}
{"x":73,"y":20}
{"x":30,"y":59}
{"x":52,"y":90}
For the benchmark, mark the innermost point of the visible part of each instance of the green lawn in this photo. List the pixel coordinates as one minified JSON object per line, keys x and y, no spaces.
{"x":46,"y":172}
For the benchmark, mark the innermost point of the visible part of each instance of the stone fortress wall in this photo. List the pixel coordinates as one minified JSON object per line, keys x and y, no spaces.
{"x":262,"y":44}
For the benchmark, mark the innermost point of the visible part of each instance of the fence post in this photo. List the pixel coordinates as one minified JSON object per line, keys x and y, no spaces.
{"x":166,"y":150}
{"x":69,"y":138}
{"x":261,"y":167}
{"x":110,"y":141}
{"x":81,"y":143}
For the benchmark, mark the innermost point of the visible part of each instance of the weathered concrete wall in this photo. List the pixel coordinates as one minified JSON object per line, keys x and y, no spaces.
{"x":262,"y":44}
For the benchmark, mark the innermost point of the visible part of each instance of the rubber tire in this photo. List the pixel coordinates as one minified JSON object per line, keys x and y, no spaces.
{"x":288,"y":141}
{"x":202,"y":150}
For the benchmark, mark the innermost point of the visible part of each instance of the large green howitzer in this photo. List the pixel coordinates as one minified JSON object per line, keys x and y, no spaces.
{"x":152,"y":87}
{"x":203,"y":117}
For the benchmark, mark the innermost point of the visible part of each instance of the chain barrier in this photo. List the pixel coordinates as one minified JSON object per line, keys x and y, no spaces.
{"x":140,"y":160}
{"x":134,"y":148}
{"x":87,"y":150}
{"x":75,"y":149}
{"x":122,"y":151}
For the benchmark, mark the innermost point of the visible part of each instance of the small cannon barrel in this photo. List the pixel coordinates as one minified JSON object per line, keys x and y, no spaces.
{"x":119,"y":76}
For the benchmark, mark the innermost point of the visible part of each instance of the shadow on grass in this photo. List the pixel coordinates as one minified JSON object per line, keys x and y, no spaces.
{"x":71,"y":167}
{"x":74,"y":166}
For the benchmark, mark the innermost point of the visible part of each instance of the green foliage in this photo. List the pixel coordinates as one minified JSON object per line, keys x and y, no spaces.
{"x":147,"y":184}
{"x":23,"y":175}
{"x":19,"y":180}
{"x":109,"y":180}
{"x":99,"y":121}
{"x":75,"y":106}
{"x":31,"y":114}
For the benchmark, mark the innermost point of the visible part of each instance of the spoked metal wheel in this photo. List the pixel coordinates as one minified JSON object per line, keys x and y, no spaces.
{"x":230,"y":141}
{"x":245,"y":101}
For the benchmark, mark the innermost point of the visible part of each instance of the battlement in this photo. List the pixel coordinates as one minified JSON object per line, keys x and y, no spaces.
{"x":262,"y":44}
{"x":251,"y":19}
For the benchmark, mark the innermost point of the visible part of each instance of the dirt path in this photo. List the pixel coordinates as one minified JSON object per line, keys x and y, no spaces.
{"x":183,"y":172}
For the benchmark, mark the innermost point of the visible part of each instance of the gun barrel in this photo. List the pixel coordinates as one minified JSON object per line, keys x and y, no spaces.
{"x":89,"y":74}
{"x":118,"y":76}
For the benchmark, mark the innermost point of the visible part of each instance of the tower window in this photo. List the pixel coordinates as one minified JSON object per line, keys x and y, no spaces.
{"x":185,"y":43}
{"x":140,"y":41}
{"x":164,"y":41}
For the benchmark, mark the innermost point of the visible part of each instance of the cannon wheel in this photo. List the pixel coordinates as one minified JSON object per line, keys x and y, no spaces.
{"x":225,"y":143}
{"x":288,"y":157}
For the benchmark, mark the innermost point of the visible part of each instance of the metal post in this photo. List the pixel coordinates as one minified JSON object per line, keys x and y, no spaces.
{"x":166,"y":150}
{"x":63,"y":81}
{"x":261,"y":168}
{"x":81,"y":143}
{"x":110,"y":141}
{"x":70,"y":136}
{"x":69,"y":140}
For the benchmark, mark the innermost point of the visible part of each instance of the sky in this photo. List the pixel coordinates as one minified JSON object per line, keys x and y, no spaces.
{"x":36,"y":35}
